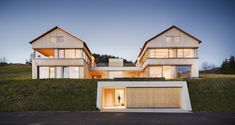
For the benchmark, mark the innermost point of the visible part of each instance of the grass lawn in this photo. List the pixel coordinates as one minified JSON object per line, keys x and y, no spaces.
{"x":18,"y":92}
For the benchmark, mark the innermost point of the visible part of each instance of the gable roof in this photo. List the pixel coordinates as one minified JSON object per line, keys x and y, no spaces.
{"x":56,"y":27}
{"x":166,"y":31}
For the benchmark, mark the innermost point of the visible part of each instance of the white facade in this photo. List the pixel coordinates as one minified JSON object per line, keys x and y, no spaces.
{"x":171,"y":54}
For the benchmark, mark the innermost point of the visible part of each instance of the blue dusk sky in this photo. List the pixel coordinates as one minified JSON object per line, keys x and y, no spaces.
{"x":118,"y":27}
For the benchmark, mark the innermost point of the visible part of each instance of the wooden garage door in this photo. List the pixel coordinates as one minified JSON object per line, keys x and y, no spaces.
{"x":153,"y":97}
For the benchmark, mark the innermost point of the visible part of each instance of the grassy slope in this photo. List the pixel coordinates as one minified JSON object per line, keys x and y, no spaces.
{"x":15,"y":72}
{"x":212,"y":94}
{"x":19,"y":93}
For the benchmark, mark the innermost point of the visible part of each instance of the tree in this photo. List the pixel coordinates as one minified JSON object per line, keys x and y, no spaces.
{"x":206,"y":66}
{"x":228,"y":66}
{"x":3,"y":60}
{"x":30,"y":59}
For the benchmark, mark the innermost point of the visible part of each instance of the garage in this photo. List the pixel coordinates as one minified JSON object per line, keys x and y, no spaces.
{"x":160,"y":97}
{"x":143,"y":96}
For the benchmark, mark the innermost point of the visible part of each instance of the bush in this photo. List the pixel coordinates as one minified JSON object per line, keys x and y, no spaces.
{"x":212,"y":94}
{"x":48,"y":95}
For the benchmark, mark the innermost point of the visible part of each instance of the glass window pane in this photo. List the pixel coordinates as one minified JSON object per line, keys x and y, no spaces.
{"x":183,"y":71}
{"x":169,"y":72}
{"x":188,"y":52}
{"x":162,"y":53}
{"x":155,"y":71}
{"x":73,"y":72}
{"x":43,"y":72}
{"x":69,"y":53}
{"x":58,"y":72}
{"x":66,"y":72}
{"x":180,"y":53}
{"x":52,"y":72}
{"x":78,"y":53}
{"x":172,"y":53}
{"x":61,"y":53}
{"x":152,"y":53}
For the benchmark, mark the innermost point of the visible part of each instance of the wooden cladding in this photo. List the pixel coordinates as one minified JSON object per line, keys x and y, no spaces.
{"x":153,"y":97}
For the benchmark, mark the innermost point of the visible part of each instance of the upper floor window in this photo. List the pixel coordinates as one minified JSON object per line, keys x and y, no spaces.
{"x":186,"y":53}
{"x":172,"y":53}
{"x":57,"y":39}
{"x":173,"y":38}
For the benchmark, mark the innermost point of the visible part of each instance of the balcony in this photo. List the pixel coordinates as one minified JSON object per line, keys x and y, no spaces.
{"x":58,"y":61}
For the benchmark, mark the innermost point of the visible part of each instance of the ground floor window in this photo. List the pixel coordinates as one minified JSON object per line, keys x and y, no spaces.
{"x":169,"y":72}
{"x":61,"y":72}
{"x":184,"y":71}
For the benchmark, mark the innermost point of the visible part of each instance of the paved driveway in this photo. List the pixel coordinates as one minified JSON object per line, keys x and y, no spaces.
{"x":108,"y":118}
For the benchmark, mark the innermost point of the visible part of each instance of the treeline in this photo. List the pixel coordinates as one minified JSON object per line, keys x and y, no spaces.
{"x":228,"y":66}
{"x":105,"y":58}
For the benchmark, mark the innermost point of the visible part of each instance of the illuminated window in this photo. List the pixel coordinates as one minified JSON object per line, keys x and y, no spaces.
{"x":73,"y":72}
{"x":52,"y":72}
{"x":69,"y":53}
{"x":162,"y":53}
{"x":189,"y":53}
{"x":61,"y":53}
{"x":155,"y":71}
{"x":152,"y":53}
{"x":78,"y":53}
{"x":180,"y":52}
{"x":172,"y":53}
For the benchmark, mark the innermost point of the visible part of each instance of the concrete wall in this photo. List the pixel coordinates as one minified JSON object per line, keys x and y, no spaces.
{"x":185,"y":99}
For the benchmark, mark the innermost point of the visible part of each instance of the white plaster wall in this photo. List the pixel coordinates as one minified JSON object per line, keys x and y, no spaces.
{"x":185,"y":98}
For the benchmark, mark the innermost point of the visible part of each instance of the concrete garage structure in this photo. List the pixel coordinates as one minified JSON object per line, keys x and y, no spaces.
{"x":150,"y":95}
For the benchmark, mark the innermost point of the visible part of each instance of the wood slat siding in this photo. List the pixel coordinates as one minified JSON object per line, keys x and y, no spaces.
{"x":153,"y":97}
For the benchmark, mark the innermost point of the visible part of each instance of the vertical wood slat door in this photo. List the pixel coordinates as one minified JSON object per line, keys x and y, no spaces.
{"x":153,"y":97}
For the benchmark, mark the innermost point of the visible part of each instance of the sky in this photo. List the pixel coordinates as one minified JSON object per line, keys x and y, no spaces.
{"x":118,"y":27}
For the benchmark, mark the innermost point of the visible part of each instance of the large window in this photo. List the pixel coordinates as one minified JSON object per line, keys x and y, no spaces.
{"x":169,"y":72}
{"x":69,"y":53}
{"x":189,"y":53}
{"x":43,"y":72}
{"x":161,"y":53}
{"x":172,"y":53}
{"x":184,"y":71}
{"x":186,"y":53}
{"x":73,"y":72}
{"x":155,"y":71}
